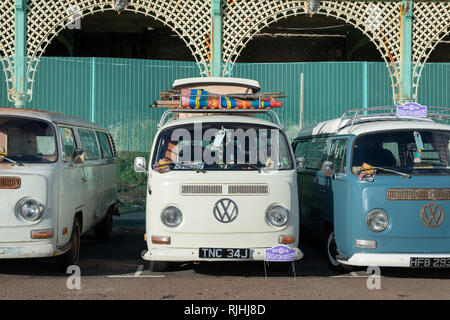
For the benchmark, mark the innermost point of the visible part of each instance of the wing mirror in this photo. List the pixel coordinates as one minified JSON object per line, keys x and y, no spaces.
{"x":328,"y":168}
{"x":140,"y":165}
{"x":78,"y":155}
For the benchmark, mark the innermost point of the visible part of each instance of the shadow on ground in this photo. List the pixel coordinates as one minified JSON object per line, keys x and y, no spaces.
{"x":121,"y":256}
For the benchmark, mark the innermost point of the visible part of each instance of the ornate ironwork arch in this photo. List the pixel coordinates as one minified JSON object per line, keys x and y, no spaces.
{"x":378,"y":21}
{"x":190,"y":20}
{"x":242,"y":20}
{"x":431,"y":25}
{"x":7,"y":42}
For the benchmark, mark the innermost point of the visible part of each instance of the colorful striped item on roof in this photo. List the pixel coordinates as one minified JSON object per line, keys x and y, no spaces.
{"x":200,"y":99}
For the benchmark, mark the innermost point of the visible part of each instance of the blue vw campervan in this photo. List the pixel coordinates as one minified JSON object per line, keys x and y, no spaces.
{"x":374,"y":186}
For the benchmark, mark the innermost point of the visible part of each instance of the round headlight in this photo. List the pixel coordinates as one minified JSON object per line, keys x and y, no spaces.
{"x":277,"y":215}
{"x":171,"y":217}
{"x":29,"y":209}
{"x":377,"y":220}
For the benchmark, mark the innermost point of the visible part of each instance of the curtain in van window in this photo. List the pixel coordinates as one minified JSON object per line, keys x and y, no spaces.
{"x":3,"y":141}
{"x":89,"y":143}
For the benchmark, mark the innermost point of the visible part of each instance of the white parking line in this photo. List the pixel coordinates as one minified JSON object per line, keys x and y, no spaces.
{"x":134,"y":276}
{"x":353,"y":275}
{"x":138,"y":274}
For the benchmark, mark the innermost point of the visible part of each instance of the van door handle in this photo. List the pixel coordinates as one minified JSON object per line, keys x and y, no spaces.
{"x":83,"y":180}
{"x":322,"y":190}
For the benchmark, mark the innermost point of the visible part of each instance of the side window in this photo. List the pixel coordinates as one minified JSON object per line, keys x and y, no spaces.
{"x":301,"y":148}
{"x":113,"y":145}
{"x":68,"y":144}
{"x":315,"y":154}
{"x":104,"y":145}
{"x":89,"y":143}
{"x":338,"y":154}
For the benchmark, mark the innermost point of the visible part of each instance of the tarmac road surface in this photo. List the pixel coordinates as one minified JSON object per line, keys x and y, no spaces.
{"x":115,"y":270}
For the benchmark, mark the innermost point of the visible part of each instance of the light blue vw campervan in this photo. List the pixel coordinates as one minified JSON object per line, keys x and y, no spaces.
{"x":374,"y":186}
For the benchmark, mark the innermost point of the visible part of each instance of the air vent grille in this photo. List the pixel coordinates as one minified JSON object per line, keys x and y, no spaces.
{"x":248,"y":189}
{"x":418,"y":194}
{"x":205,"y":189}
{"x":225,"y":189}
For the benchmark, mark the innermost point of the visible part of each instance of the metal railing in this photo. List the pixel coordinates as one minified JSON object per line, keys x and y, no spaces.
{"x":355,"y":116}
{"x":271,"y":113}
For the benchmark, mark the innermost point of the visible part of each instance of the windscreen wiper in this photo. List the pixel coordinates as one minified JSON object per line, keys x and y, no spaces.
{"x":17,"y":163}
{"x":163,"y":165}
{"x":254,"y":166}
{"x":405,"y":175}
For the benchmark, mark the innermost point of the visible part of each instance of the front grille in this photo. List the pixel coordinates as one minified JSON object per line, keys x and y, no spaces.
{"x":248,"y":189}
{"x":201,"y":189}
{"x":10,"y":183}
{"x":418,"y":194}
{"x":226,"y":189}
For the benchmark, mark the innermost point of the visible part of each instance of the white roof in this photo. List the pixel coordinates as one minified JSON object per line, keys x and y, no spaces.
{"x":50,"y":117}
{"x":247,"y":83}
{"x":336,"y":127}
{"x":220,"y":119}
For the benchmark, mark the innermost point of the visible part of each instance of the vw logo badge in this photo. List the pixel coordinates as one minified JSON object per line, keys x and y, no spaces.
{"x":432,"y":215}
{"x":225,"y":210}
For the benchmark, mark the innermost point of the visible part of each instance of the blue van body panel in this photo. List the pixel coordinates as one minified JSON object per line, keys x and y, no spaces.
{"x":344,"y":202}
{"x":406,"y":233}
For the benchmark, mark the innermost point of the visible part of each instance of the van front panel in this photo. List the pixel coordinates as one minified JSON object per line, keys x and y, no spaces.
{"x":36,"y":183}
{"x":201,"y":225}
{"x":415,"y":226}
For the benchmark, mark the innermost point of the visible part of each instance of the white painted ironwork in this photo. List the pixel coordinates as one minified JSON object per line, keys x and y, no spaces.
{"x":242,"y":20}
{"x":379,"y":21}
{"x":190,"y":20}
{"x":431,"y":25}
{"x":7,"y":42}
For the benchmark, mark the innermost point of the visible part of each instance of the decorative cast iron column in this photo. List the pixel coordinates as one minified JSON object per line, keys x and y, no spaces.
{"x":216,"y":35}
{"x":20,"y":53}
{"x":405,"y":93}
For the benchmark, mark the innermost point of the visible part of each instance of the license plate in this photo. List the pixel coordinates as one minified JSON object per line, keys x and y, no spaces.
{"x":224,"y":253}
{"x":416,"y":262}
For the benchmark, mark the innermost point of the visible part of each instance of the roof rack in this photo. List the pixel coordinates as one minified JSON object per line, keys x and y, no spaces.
{"x":355,"y":116}
{"x":271,"y":113}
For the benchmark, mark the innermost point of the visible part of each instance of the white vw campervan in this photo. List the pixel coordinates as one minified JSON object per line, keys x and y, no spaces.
{"x":221,"y":182}
{"x":58,"y":180}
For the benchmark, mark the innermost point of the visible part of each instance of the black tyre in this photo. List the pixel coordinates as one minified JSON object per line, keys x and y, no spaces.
{"x":71,"y":257}
{"x":103,"y":230}
{"x":159,"y":266}
{"x":331,"y":252}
